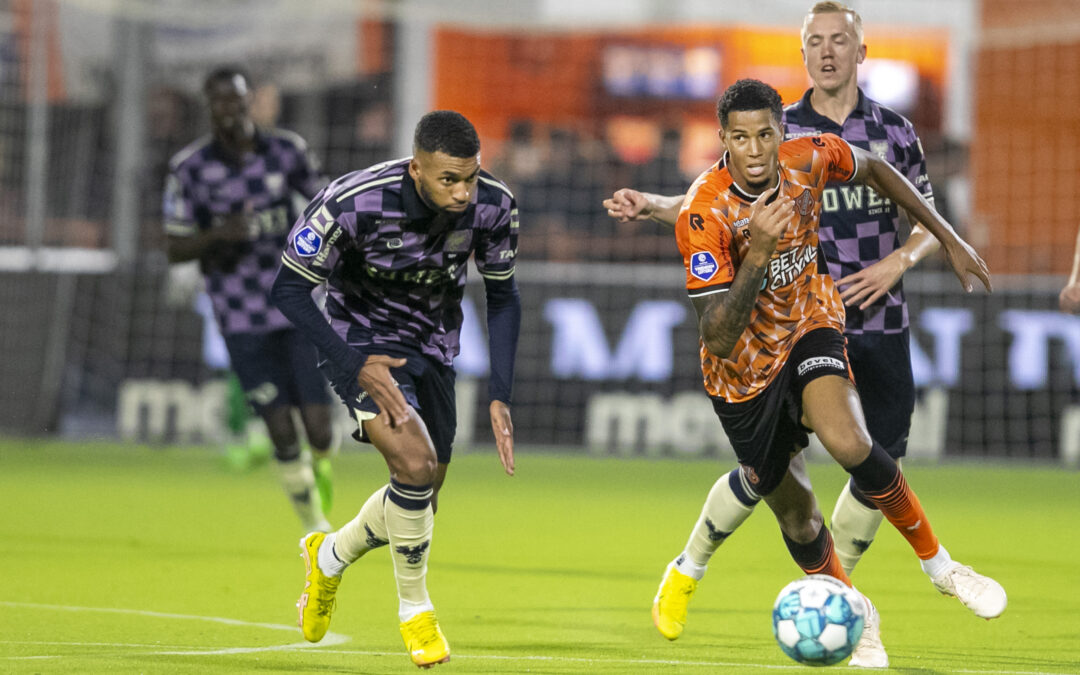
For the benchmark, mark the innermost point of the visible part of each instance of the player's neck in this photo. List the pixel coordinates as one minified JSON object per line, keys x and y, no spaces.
{"x":753,"y":191}
{"x":836,"y":104}
{"x":238,"y":143}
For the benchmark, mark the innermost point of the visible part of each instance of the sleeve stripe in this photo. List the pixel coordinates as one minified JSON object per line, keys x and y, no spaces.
{"x":498,"y":276}
{"x":497,"y":184}
{"x":301,"y":270}
{"x":179,"y":229}
{"x":710,"y":290}
{"x":367,"y":186}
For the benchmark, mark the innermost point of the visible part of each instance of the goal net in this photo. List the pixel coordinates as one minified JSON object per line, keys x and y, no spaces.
{"x":102,"y":338}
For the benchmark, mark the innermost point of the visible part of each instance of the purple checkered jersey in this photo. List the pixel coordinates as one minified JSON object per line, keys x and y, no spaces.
{"x":271,"y":185}
{"x":858,"y":226}
{"x":395,"y":273}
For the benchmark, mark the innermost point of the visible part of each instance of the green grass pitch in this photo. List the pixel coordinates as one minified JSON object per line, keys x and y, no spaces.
{"x":137,"y":560}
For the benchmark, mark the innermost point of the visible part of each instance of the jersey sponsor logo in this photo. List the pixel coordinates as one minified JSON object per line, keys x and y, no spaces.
{"x":458,"y":241}
{"x":787,"y":266}
{"x":817,"y":362}
{"x":703,"y":265}
{"x":394,"y":243}
{"x":321,"y":257}
{"x":697,"y":222}
{"x":421,"y":277}
{"x":857,"y":199}
{"x":804,"y":203}
{"x":307,"y":242}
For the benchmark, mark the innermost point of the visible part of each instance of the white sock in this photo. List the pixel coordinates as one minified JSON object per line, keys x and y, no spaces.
{"x":410,"y":534}
{"x":407,"y":609}
{"x":937,"y":565}
{"x":684,"y":565}
{"x":853,"y":528}
{"x":721,"y":515}
{"x":330,"y":564}
{"x":364,"y":532}
{"x":298,"y":480}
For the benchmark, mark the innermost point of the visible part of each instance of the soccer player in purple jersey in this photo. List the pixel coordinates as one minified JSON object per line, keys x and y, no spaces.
{"x":229,"y":202}
{"x":859,"y":242}
{"x":391,"y":244}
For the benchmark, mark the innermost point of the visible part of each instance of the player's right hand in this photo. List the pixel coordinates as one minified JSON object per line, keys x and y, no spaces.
{"x":965,"y":260}
{"x":768,"y":220}
{"x":627,"y":205}
{"x":375,"y":378}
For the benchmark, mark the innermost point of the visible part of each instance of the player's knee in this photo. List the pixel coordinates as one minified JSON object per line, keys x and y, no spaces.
{"x":321,"y":440}
{"x":417,"y":467}
{"x":848,"y":447}
{"x":801,"y":525}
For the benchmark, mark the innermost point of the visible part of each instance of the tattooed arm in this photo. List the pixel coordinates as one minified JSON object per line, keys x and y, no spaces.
{"x":722,"y":317}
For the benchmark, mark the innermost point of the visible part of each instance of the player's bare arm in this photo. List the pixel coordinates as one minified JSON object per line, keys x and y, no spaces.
{"x":503,"y":428}
{"x":886,"y":180}
{"x":627,"y":205}
{"x":722,"y":317}
{"x":865,"y":287}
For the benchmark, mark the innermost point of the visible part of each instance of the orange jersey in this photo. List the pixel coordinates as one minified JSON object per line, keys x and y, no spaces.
{"x":797,"y":297}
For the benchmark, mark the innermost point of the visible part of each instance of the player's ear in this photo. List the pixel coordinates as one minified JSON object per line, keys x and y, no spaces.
{"x":414,"y":168}
{"x":861,"y":54}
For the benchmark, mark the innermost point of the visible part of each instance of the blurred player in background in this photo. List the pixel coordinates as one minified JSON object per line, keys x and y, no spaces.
{"x":229,"y":203}
{"x":392,"y":243}
{"x":1069,"y":299}
{"x":773,"y":354}
{"x":861,"y":246}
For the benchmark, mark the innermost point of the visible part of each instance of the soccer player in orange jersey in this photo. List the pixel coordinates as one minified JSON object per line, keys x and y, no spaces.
{"x":772,"y":349}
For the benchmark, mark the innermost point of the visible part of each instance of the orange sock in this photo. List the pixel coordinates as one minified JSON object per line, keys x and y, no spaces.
{"x":818,"y":557}
{"x":902,"y":508}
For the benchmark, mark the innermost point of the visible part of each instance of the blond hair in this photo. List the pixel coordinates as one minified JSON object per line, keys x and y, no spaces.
{"x":832,"y":7}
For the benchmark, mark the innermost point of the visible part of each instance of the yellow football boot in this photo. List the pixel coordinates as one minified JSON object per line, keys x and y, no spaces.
{"x":425,"y":642}
{"x":669,"y":605}
{"x":316,"y":603}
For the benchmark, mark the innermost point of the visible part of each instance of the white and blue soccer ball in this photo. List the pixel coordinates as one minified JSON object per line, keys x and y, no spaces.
{"x":817,"y":620}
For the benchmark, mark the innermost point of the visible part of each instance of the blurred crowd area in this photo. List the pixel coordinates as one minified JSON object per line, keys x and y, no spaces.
{"x":559,"y":164}
{"x":559,"y":174}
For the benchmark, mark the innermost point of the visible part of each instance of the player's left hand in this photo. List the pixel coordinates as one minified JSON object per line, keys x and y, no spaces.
{"x":964,"y":260}
{"x":866,"y":286}
{"x":1069,"y":299}
{"x":503,"y":427}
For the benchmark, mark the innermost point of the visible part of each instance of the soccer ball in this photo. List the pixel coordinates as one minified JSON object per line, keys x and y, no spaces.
{"x":817,"y":620}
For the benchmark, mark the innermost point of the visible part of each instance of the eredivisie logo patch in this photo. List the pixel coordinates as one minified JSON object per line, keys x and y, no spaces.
{"x":703,"y":265}
{"x":307,"y":242}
